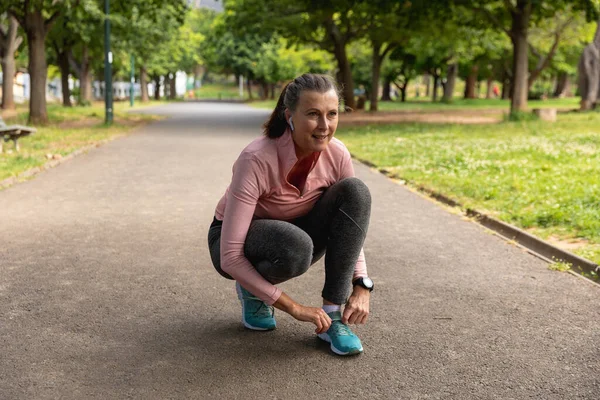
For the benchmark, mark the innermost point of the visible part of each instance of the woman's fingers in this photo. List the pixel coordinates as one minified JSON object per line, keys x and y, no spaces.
{"x":324,"y":321}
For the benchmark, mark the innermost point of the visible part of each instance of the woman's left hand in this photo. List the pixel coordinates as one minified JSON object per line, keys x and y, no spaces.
{"x":357,"y":307}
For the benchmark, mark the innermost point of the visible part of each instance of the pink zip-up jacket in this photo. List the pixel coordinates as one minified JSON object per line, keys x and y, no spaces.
{"x":259,"y":190}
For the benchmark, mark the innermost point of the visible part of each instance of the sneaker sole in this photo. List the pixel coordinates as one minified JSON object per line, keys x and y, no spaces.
{"x":325,"y":337}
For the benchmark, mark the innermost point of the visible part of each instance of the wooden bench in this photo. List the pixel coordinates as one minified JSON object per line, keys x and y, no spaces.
{"x":14,"y":133}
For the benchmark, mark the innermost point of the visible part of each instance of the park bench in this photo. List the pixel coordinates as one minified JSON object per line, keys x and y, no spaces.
{"x":14,"y":133}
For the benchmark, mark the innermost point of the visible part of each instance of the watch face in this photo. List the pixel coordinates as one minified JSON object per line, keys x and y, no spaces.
{"x":368,"y":282}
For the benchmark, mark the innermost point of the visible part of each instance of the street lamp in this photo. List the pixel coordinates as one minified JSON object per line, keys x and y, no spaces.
{"x":108,"y":95}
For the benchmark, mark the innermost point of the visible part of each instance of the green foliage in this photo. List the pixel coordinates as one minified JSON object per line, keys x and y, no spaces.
{"x":560,"y":266}
{"x":521,"y":116}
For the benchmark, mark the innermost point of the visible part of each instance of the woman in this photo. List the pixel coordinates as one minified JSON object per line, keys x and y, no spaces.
{"x":293,"y":198}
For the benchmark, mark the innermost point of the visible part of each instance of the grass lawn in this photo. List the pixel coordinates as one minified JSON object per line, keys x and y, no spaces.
{"x":544,"y":177}
{"x":214,"y":91}
{"x":458,"y":104}
{"x":69,"y":129}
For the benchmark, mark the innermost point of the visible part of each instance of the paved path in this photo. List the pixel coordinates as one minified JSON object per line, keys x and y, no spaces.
{"x":107,"y":291}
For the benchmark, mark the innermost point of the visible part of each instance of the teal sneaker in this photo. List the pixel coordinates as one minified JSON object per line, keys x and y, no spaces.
{"x":256,"y":314}
{"x":343,"y":341}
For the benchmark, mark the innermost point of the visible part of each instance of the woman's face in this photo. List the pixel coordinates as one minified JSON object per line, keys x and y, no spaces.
{"x":315,"y":121}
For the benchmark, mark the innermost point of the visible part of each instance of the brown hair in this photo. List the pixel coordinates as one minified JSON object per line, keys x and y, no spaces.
{"x":277,"y":124}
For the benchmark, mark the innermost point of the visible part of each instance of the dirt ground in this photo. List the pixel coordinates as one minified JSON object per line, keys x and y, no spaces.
{"x":437,"y":117}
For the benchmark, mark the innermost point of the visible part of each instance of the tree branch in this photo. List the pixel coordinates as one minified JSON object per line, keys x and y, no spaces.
{"x":509,"y":6}
{"x":492,"y":18}
{"x":56,"y":14}
{"x":543,"y":63}
{"x":389,"y":47}
{"x":74,"y":64}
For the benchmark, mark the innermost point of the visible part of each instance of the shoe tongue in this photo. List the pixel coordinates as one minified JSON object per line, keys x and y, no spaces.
{"x":335,"y":315}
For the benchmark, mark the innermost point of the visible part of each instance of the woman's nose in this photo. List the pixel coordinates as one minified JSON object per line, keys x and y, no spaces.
{"x":323,"y":124}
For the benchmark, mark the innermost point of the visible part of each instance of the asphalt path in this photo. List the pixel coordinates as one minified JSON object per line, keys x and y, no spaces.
{"x":107,"y":290}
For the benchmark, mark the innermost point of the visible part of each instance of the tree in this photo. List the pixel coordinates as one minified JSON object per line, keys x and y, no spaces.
{"x":399,"y":69}
{"x":589,"y":72}
{"x":515,"y":18}
{"x":145,"y":28}
{"x":37,"y":17}
{"x":331,"y":25}
{"x":9,"y":44}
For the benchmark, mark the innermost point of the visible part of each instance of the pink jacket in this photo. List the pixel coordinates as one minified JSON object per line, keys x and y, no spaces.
{"x":259,"y":190}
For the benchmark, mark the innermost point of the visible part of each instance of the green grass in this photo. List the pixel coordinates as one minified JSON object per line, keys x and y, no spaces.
{"x":214,"y":91}
{"x":422,"y":104}
{"x":543,"y":177}
{"x":479,"y":104}
{"x":68,"y":129}
{"x":265,"y":104}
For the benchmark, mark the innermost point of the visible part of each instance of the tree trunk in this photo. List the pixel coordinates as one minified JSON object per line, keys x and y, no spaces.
{"x":9,"y":46}
{"x":38,"y":69}
{"x":519,"y":31}
{"x":562,"y":85}
{"x":451,"y":83}
{"x":157,"y":88}
{"x":249,"y":86}
{"x":489,"y":88}
{"x":589,"y":72}
{"x":63,"y":64}
{"x":272,"y":91}
{"x":387,"y":86}
{"x":506,"y":89}
{"x":471,"y":82}
{"x":198,"y":75}
{"x":85,"y":79}
{"x":172,"y":86}
{"x":376,"y":61}
{"x":339,"y":51}
{"x":265,"y":90}
{"x":436,"y":79}
{"x":427,"y":81}
{"x":144,"y":84}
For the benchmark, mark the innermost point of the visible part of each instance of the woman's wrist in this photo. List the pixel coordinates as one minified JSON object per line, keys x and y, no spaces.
{"x":286,"y":304}
{"x":360,"y":291}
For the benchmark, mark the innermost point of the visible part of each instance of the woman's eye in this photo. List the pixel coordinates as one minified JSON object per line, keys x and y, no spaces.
{"x":333,"y":114}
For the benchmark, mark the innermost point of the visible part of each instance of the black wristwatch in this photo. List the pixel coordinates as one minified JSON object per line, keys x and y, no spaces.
{"x":366,"y":282}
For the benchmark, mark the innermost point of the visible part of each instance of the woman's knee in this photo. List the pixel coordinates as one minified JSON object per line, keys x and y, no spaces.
{"x":355,"y":191}
{"x":287,"y":249}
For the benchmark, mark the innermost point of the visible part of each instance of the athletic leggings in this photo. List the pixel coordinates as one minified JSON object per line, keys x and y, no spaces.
{"x":336,"y":227}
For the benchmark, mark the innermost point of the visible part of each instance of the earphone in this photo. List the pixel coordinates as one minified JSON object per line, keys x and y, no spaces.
{"x":291,"y":124}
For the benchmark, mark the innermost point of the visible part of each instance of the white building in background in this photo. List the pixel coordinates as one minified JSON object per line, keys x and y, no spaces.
{"x":21,"y":87}
{"x":121,"y":89}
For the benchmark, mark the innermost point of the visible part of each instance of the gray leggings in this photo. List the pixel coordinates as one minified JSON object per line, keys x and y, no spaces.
{"x":336,"y":227}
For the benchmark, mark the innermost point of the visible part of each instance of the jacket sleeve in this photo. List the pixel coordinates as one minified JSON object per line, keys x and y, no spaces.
{"x":244,"y":192}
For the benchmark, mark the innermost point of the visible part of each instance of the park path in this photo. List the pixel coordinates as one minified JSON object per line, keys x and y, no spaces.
{"x":107,"y":290}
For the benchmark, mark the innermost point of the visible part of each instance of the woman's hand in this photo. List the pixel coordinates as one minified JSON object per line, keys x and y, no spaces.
{"x":302,"y":313}
{"x":312,"y":314}
{"x":357,"y":307}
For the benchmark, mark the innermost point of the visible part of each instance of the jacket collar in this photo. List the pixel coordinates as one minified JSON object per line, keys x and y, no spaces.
{"x":286,"y":153}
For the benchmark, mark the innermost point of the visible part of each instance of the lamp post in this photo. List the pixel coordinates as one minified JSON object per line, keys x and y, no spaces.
{"x":132,"y":80}
{"x":108,"y":95}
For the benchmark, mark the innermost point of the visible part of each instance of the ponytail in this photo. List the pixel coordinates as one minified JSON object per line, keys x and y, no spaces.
{"x":277,"y":124}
